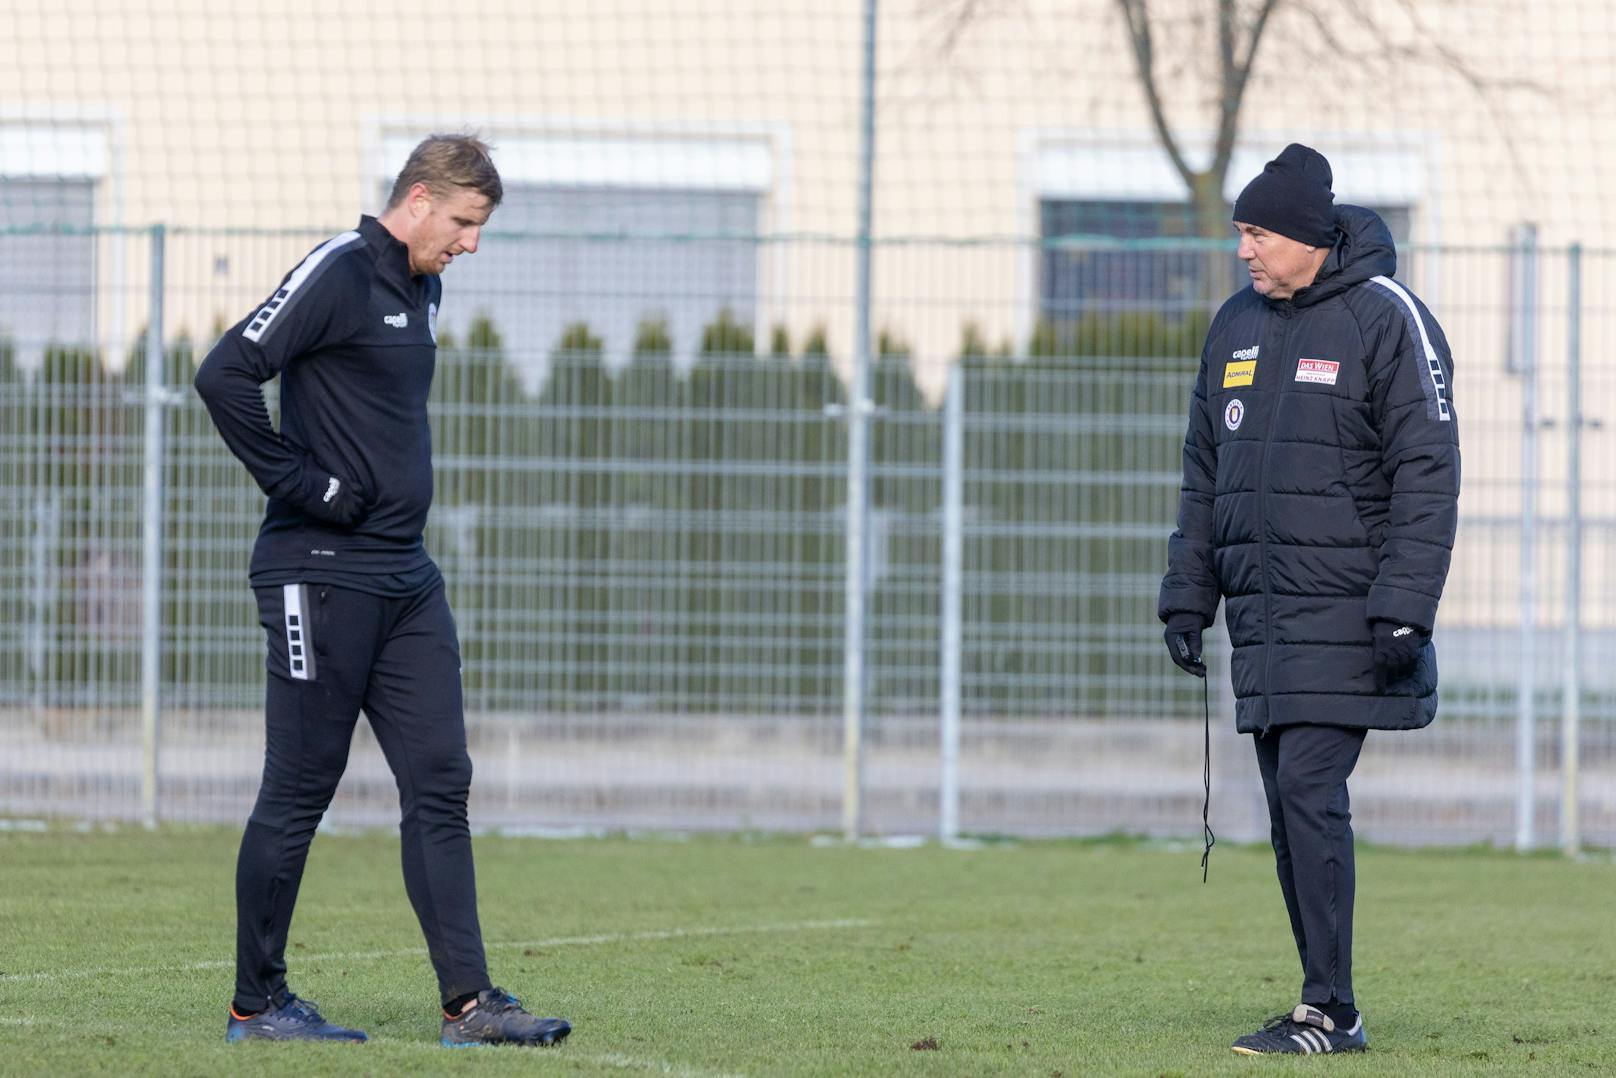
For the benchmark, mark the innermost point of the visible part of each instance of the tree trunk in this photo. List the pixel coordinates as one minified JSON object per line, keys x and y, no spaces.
{"x":1211,"y":211}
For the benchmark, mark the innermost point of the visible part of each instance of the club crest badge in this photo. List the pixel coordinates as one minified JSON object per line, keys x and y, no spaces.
{"x":1234,"y":414}
{"x":432,"y":321}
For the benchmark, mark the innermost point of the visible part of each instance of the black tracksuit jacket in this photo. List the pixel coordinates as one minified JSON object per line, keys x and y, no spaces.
{"x":351,"y":333}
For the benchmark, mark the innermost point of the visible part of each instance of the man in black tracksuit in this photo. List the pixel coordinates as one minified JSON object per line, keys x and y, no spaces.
{"x":1321,"y":482}
{"x":352,"y":607}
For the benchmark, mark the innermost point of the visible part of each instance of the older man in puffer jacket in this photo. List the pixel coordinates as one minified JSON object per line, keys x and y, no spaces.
{"x":1321,"y":482}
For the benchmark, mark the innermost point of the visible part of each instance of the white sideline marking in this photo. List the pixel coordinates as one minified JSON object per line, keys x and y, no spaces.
{"x":22,"y":825}
{"x":616,"y":1060}
{"x":47,"y":976}
{"x":622,"y":1062}
{"x":604,"y":1059}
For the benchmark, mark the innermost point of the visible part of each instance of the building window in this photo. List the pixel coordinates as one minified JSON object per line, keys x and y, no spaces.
{"x":1082,"y":275}
{"x":609,"y":257}
{"x":47,"y":278}
{"x":613,"y":228}
{"x":1120,"y":264}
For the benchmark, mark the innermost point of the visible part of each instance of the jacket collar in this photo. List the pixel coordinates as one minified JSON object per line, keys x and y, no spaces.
{"x":1363,"y":249}
{"x":392,"y":257}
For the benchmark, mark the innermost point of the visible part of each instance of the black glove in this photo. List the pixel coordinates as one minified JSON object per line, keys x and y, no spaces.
{"x":1397,"y":651}
{"x":323,"y":496}
{"x":1184,"y":643}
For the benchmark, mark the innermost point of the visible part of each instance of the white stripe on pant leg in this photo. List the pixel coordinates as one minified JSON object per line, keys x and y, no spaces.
{"x":299,"y":637}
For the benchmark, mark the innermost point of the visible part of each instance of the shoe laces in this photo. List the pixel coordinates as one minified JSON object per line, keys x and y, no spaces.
{"x":501,"y":1000}
{"x":302,"y":1008}
{"x":1278,"y":1022}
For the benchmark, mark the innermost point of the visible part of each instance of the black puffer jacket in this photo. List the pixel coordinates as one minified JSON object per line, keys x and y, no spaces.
{"x":1321,"y":483}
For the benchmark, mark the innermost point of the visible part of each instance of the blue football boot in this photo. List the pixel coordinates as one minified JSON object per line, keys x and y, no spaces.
{"x":292,"y":1019}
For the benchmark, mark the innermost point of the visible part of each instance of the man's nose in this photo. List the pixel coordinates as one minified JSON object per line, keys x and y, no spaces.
{"x":468,"y":241}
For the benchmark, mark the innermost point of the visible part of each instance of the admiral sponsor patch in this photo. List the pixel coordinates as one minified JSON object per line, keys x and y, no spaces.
{"x":1234,"y":414}
{"x":1239,"y":374}
{"x":1321,"y":371}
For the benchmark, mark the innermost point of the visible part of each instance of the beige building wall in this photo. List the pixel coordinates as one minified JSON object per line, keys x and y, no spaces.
{"x":245,"y":116}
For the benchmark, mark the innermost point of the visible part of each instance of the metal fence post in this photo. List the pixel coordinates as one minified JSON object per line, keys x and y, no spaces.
{"x":42,"y":594}
{"x":1571,"y":703}
{"x":858,"y":452}
{"x":953,"y":572}
{"x":151,"y":641}
{"x":1523,"y":354}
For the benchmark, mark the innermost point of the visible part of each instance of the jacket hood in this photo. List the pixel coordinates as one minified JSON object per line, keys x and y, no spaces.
{"x":1363,"y":249}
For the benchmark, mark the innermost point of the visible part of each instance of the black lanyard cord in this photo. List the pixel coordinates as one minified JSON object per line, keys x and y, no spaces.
{"x":1206,"y":776}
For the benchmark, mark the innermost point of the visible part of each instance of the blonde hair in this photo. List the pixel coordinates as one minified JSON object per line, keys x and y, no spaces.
{"x":444,"y":162}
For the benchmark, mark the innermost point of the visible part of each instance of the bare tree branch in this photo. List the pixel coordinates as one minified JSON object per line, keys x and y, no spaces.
{"x":941,"y":44}
{"x":1486,"y":89}
{"x":957,"y":22}
{"x":1137,"y":14}
{"x":1385,"y":49}
{"x":1236,"y":77}
{"x":1331,"y":46}
{"x":1351,"y":35}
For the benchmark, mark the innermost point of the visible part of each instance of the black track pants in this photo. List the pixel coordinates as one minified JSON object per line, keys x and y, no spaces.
{"x":1304,"y":774}
{"x":333,"y":651}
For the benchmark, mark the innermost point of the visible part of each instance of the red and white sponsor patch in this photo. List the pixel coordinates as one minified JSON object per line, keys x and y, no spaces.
{"x":1322,"y":371}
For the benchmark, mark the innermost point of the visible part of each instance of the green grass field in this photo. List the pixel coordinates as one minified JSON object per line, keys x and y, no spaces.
{"x":776,"y":956}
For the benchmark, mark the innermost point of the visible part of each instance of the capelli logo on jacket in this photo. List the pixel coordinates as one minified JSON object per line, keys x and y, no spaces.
{"x":397,"y":321}
{"x":1242,"y":368}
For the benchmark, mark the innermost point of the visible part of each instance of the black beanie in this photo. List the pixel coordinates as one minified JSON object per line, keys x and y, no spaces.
{"x":1291,"y":196}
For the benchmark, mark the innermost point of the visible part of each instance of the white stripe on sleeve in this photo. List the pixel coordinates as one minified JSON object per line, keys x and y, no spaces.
{"x":1439,"y":382}
{"x":266,"y":314}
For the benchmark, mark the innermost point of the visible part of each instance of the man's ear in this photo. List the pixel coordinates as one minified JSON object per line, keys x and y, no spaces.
{"x":419,"y":200}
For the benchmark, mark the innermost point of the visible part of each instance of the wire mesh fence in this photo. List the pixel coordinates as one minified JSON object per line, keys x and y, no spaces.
{"x":642,"y":413}
{"x":646,"y":559}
